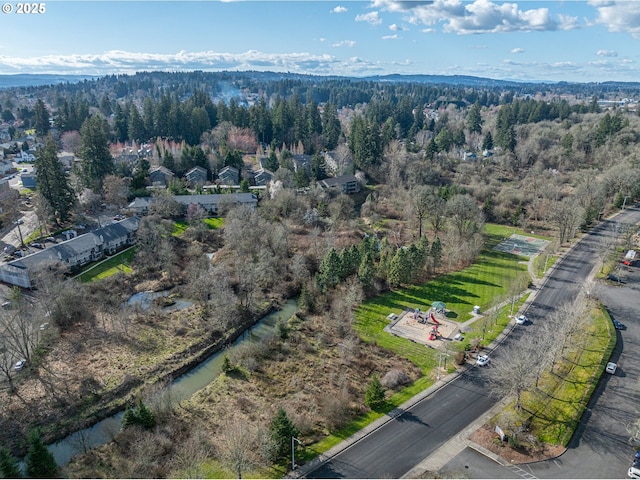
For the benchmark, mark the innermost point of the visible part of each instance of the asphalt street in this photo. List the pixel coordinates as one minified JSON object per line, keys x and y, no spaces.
{"x":393,"y":449}
{"x":599,"y":448}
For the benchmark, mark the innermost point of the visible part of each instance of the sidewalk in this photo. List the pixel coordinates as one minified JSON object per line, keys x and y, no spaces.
{"x":459,"y":442}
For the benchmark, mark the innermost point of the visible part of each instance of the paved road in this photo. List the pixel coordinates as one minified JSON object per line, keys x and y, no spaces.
{"x":599,"y":448}
{"x":393,"y":449}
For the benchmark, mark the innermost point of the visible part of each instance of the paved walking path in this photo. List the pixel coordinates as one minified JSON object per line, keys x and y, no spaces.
{"x":460,"y":441}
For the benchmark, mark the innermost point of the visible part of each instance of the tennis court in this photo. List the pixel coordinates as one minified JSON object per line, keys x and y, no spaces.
{"x":522,"y":245}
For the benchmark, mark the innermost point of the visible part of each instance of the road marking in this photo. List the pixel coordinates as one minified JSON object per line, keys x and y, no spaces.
{"x":520,"y":472}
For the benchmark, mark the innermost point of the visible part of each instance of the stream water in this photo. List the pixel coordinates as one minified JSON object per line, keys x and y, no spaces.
{"x":184,"y":386}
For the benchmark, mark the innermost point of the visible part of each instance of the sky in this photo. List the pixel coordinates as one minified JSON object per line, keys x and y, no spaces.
{"x":523,"y":40}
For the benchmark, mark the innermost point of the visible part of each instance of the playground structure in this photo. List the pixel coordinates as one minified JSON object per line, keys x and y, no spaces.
{"x":422,"y":326}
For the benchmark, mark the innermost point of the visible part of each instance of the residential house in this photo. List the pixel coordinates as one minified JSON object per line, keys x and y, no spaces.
{"x":209,"y":202}
{"x":197,"y":176}
{"x":161,"y":176}
{"x":140,"y":205}
{"x":6,"y":166}
{"x":29,"y":180}
{"x":262,"y":177}
{"x":73,"y":253}
{"x":344,"y":183}
{"x":24,"y":157}
{"x":66,"y":159}
{"x":229,"y":176}
{"x":302,"y":162}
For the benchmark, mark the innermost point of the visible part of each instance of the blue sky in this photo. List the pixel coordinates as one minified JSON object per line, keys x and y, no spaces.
{"x":526,"y":40}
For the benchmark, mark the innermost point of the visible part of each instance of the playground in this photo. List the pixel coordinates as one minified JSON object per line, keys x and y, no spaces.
{"x":522,"y":245}
{"x":430,"y":327}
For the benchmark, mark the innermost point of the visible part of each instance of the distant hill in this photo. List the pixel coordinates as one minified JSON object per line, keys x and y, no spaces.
{"x":447,"y":80}
{"x":36,"y":80}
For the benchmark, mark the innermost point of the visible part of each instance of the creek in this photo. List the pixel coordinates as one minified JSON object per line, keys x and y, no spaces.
{"x":183,"y":387}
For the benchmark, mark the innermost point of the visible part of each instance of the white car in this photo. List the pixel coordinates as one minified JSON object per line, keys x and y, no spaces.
{"x":521,"y":319}
{"x":633,"y":472}
{"x":611,"y":368}
{"x":482,"y":360}
{"x":19,"y":365}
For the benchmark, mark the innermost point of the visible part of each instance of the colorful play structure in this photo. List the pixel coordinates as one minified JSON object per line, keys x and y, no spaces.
{"x":428,"y":318}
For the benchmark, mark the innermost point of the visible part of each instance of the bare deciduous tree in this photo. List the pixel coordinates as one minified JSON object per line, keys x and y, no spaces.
{"x":236,"y":446}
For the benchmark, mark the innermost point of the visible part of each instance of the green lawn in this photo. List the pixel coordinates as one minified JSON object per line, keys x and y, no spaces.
{"x":214,"y":222}
{"x":483,"y":284}
{"x":112,"y":265}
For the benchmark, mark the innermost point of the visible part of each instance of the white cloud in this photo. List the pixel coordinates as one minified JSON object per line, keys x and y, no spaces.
{"x":118,"y":61}
{"x":390,"y":37}
{"x":339,"y":9}
{"x":372,"y":17}
{"x":479,"y":16}
{"x":606,"y":53}
{"x":344,"y":43}
{"x":397,"y":28}
{"x":619,"y":16}
{"x":517,"y":50}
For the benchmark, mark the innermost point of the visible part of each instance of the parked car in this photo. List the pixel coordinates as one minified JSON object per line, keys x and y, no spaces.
{"x":482,"y":360}
{"x":611,"y":368}
{"x":618,"y":325}
{"x":37,"y":245}
{"x":521,"y":319}
{"x":633,"y":472}
{"x":6,"y":305}
{"x":19,"y":365}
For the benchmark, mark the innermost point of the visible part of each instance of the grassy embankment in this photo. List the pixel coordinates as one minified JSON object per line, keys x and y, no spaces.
{"x":554,"y":409}
{"x":485,"y":283}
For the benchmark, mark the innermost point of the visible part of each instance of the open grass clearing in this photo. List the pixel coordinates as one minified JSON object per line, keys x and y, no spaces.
{"x":484,"y":283}
{"x":118,"y":263}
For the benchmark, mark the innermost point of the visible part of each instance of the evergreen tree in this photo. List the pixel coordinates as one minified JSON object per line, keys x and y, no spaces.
{"x":329,"y":271}
{"x":97,"y":162}
{"x":41,"y":119}
{"x":272,"y":162}
{"x":487,"y":143}
{"x":136,"y":131}
{"x":9,"y":467}
{"x":226,"y":365}
{"x":366,"y":271}
{"x":282,"y":429}
{"x":374,"y":397}
{"x":39,"y":460}
{"x":138,"y":415}
{"x":399,"y":268}
{"x":53,"y":185}
{"x":474,"y":120}
{"x":330,"y":126}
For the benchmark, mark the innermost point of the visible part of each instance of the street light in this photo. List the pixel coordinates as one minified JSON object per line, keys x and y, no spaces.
{"x":440,"y":355}
{"x":18,"y":222}
{"x":293,"y":452}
